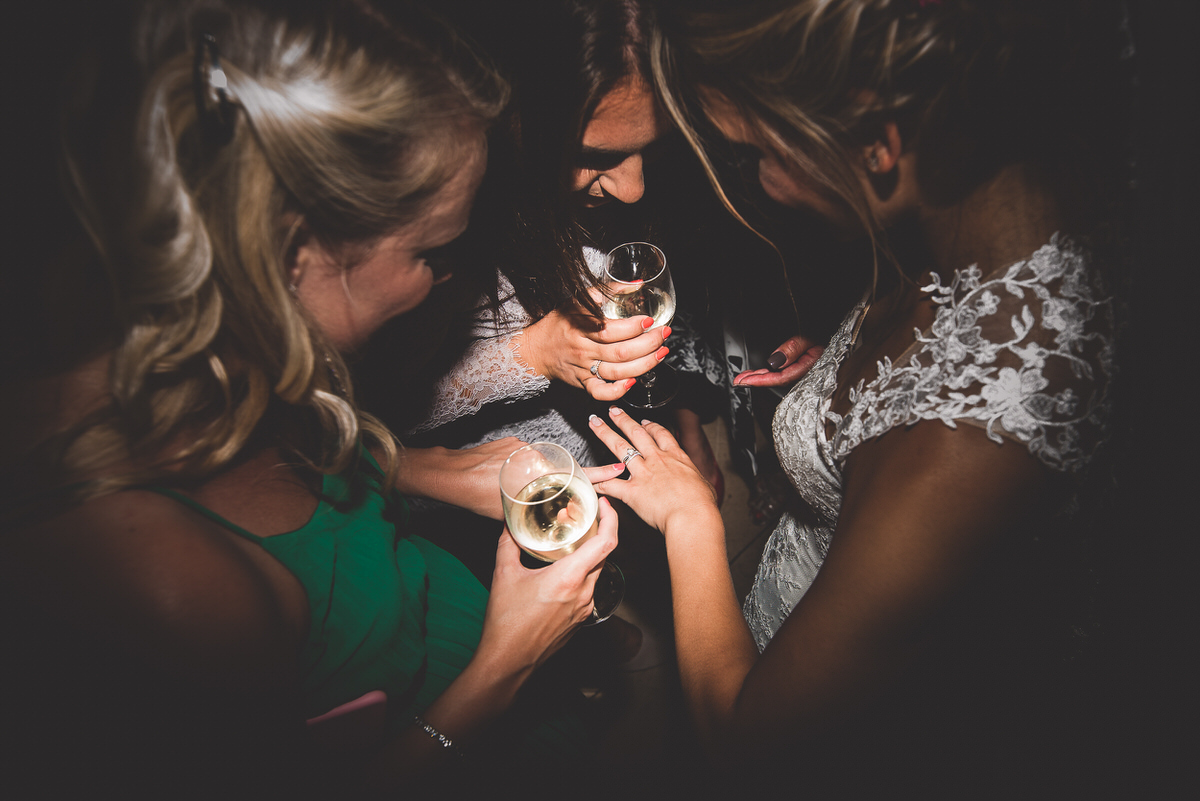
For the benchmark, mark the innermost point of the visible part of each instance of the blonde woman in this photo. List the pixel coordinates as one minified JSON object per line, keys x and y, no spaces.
{"x":207,"y":534}
{"x":892,"y":640}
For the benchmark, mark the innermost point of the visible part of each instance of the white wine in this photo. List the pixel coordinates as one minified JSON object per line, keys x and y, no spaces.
{"x":647,"y":300}
{"x":552,"y":528}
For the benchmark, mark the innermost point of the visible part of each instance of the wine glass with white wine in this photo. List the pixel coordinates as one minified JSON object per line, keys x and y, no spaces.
{"x":638,"y":282}
{"x":551,"y":509}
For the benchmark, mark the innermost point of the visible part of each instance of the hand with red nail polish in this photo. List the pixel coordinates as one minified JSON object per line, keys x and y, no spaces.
{"x":597,"y":355}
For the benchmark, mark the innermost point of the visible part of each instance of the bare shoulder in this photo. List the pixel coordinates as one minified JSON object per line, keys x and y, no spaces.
{"x":150,"y":575}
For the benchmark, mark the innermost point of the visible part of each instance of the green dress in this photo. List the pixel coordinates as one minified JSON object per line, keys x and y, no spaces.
{"x":393,"y":612}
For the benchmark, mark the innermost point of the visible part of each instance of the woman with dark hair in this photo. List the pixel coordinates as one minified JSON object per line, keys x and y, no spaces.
{"x":205,"y":534}
{"x":566,"y":166}
{"x":900,"y":632}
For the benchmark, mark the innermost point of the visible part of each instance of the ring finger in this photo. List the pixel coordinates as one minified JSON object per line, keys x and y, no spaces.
{"x":633,"y":431}
{"x":620,"y":446}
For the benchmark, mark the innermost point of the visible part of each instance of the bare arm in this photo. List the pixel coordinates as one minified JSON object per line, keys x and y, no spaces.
{"x":466,"y":477}
{"x":899,"y":552}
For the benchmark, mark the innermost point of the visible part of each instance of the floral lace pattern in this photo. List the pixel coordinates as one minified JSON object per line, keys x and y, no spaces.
{"x":491,"y":368}
{"x":1025,"y":353}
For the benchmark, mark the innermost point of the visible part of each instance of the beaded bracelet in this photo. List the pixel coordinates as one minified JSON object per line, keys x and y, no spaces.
{"x":434,"y":734}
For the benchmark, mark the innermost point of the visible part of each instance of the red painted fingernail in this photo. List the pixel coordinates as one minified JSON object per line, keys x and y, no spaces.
{"x":629,"y":382}
{"x":662,"y":353}
{"x":666,"y":332}
{"x":649,"y":321}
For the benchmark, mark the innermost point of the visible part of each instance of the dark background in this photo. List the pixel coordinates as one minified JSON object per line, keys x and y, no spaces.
{"x":1149,"y":541}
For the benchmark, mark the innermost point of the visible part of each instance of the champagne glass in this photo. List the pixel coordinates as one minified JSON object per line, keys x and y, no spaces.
{"x":639,"y":282}
{"x":551,"y":509}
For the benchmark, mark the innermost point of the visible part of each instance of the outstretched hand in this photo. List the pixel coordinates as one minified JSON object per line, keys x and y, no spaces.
{"x":565,"y":346}
{"x":788,"y":363}
{"x":662,"y":482}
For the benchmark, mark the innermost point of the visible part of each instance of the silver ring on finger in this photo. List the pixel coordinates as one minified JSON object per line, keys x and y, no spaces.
{"x":630,"y":453}
{"x":595,"y":368}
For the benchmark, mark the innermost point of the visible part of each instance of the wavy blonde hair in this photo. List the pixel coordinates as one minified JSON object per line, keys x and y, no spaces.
{"x":344,"y":123}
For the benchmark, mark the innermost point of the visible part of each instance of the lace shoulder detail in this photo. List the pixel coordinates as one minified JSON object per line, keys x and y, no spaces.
{"x":490,"y":370}
{"x":1026,"y":353}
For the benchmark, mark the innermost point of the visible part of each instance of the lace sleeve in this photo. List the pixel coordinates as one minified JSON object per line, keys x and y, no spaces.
{"x":490,"y":370}
{"x":1025,"y":353}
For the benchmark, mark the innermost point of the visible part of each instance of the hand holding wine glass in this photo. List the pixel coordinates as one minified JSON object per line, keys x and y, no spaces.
{"x":637,"y":278}
{"x":551,"y":510}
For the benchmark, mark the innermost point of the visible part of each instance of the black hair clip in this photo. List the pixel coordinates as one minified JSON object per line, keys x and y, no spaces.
{"x":217,"y":113}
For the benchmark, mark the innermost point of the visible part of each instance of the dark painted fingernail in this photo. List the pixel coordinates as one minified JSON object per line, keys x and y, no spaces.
{"x":776,"y":361}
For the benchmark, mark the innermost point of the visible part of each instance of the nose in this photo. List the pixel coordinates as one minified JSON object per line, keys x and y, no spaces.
{"x":625,"y":182}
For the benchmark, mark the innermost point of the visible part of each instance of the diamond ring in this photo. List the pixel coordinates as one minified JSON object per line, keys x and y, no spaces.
{"x":630,"y":453}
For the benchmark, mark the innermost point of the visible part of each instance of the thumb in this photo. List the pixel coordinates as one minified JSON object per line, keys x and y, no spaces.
{"x":507,"y":551}
{"x":787,"y":353}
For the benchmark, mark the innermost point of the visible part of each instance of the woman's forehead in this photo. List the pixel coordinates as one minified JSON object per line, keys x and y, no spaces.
{"x":626,"y":120}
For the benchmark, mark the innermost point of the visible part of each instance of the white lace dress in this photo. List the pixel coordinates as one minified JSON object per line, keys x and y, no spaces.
{"x":1026,"y":353}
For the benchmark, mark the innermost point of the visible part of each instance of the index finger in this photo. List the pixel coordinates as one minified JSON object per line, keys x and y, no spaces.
{"x":614,"y":330}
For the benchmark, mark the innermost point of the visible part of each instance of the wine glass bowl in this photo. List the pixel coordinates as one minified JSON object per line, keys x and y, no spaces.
{"x":550,"y":507}
{"x":638,"y":282}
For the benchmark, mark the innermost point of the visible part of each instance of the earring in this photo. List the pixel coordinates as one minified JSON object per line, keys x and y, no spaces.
{"x":873,"y":161}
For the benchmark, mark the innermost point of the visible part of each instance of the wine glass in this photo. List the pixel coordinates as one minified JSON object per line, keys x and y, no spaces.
{"x":638,"y":282}
{"x":551,"y":509}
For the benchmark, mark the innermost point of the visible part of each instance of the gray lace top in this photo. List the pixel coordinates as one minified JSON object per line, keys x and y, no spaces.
{"x":1026,"y":353}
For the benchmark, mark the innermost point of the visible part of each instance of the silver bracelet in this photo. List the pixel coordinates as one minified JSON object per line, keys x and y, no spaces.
{"x":434,"y":734}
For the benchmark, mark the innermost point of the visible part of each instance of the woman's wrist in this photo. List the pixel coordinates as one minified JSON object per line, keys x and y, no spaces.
{"x":695,"y":520}
{"x":417,"y":474}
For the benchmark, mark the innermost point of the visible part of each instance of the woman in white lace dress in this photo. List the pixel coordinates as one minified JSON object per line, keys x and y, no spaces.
{"x":886,"y":642}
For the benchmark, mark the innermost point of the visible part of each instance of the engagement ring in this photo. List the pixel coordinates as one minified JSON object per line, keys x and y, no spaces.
{"x":596,"y":368}
{"x":629,"y":454}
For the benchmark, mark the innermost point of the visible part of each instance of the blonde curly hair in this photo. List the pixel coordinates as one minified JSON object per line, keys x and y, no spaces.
{"x":343,"y":122}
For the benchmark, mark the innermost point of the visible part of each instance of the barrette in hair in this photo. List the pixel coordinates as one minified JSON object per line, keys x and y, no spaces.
{"x":216,"y":111}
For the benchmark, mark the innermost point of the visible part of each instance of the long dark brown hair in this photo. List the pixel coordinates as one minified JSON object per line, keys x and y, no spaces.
{"x":561,"y":58}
